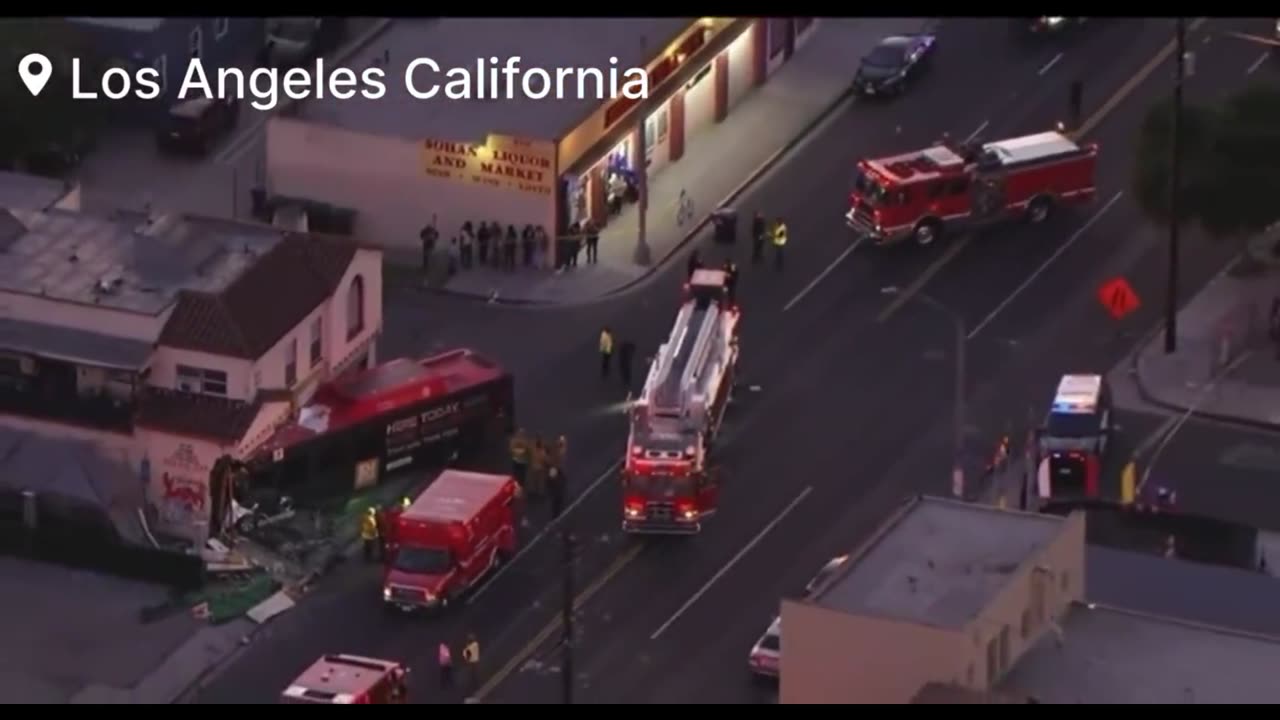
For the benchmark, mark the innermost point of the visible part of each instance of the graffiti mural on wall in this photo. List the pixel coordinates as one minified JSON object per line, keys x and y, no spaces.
{"x":184,"y":490}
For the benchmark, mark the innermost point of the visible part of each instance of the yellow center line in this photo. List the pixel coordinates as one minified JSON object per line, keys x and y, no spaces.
{"x":579,"y":600}
{"x":1087,"y":126}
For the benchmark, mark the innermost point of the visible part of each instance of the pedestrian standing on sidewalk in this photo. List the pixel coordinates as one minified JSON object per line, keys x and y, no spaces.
{"x":509,"y":248}
{"x":483,"y":239}
{"x":779,"y":243}
{"x":471,"y":659}
{"x":544,"y":247}
{"x":369,"y":534}
{"x":527,"y":245}
{"x":429,"y":236}
{"x":444,"y":656}
{"x":593,"y":242}
{"x":626,"y":355}
{"x":556,"y":480}
{"x":606,"y":351}
{"x":468,"y":245}
{"x":759,"y":231}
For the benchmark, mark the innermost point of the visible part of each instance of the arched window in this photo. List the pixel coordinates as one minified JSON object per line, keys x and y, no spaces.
{"x":355,"y":307}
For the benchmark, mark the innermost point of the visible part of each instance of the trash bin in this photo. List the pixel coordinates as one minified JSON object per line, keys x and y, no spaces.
{"x":726,"y":223}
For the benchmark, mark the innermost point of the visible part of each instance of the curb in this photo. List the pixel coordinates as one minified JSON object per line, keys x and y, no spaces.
{"x":1135,"y":369}
{"x":696,"y":229}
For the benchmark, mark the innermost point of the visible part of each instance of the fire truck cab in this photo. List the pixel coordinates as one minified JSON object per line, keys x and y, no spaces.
{"x":1073,"y":441}
{"x":950,"y":187}
{"x":668,"y":486}
{"x":349,"y":680}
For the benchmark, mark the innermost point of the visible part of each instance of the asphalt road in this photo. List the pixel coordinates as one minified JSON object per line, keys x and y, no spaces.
{"x":1218,"y":470}
{"x":676,"y":625}
{"x":873,"y":396}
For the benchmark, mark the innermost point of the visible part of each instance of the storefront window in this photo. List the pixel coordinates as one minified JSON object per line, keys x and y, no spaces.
{"x":650,"y":135}
{"x":662,"y":124}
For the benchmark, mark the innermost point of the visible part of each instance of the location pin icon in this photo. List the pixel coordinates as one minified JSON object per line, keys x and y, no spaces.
{"x":35,"y":70}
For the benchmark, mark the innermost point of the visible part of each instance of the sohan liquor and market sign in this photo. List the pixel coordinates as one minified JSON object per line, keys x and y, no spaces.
{"x":502,"y":161}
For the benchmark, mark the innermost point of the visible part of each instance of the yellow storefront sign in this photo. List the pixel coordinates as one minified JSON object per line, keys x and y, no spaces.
{"x":502,"y":161}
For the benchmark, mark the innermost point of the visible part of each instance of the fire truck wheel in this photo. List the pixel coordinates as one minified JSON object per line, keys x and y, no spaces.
{"x":926,"y":232}
{"x":1039,"y":209}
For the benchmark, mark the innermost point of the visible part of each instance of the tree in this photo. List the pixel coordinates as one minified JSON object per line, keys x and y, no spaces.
{"x":54,"y":117}
{"x":1230,"y":157}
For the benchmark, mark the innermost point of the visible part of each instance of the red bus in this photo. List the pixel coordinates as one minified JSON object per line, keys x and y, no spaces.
{"x":403,"y":413}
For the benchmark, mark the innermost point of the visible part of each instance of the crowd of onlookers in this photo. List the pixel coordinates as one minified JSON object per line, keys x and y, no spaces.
{"x":490,"y":245}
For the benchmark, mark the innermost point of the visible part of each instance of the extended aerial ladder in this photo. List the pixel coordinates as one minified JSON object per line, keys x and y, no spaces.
{"x":691,"y":377}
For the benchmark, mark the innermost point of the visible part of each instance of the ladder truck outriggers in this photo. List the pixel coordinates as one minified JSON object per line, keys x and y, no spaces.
{"x":668,"y":486}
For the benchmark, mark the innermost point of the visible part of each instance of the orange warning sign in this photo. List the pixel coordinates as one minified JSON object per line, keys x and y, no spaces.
{"x":1118,"y":298}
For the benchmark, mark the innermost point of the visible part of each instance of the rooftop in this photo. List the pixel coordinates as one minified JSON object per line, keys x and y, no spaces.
{"x":1110,"y":656}
{"x":75,"y":346}
{"x":29,"y":192}
{"x":123,"y":261}
{"x":940,"y":562}
{"x":1215,"y":595}
{"x":547,"y":43}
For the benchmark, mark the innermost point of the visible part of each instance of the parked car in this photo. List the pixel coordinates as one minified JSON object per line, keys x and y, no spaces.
{"x":194,"y":126}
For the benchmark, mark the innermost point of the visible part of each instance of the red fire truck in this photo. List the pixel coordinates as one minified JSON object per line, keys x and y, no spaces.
{"x":349,"y":680}
{"x":668,"y":486}
{"x":951,"y":188}
{"x":455,"y":532}
{"x":405,"y":412}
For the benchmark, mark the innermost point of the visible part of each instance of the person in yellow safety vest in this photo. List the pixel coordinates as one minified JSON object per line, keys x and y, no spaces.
{"x":520,"y":456}
{"x":538,"y":459}
{"x":779,"y":242}
{"x":471,"y":658}
{"x":405,"y":502}
{"x":606,"y":351}
{"x":369,"y":534}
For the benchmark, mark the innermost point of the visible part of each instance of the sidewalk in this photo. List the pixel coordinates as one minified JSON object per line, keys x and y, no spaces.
{"x":720,"y":162}
{"x":1224,"y":368}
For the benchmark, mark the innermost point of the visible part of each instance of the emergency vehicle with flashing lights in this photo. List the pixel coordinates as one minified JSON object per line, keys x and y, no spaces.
{"x":349,"y":680}
{"x":950,"y":187}
{"x":455,"y":406}
{"x":668,"y":486}
{"x":1073,"y":441}
{"x":457,"y":530}
{"x":1051,"y":25}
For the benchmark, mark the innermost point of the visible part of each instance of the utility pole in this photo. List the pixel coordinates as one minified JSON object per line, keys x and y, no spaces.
{"x":566,"y":619}
{"x":1175,"y":193}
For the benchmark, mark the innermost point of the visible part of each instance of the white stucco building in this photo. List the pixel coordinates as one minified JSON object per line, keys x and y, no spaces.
{"x":169,"y":341}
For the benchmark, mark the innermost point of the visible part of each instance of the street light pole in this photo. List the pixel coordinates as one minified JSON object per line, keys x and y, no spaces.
{"x":1175,"y":193}
{"x":566,"y":619}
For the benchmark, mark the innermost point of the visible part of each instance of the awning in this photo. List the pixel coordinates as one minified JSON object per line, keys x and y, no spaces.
{"x":74,"y":346}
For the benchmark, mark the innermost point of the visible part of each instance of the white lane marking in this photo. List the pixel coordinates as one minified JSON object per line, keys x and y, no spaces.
{"x":1205,"y":392}
{"x":976,"y":133}
{"x":1258,"y":63}
{"x":814,"y":282}
{"x":1040,"y":270}
{"x":545,"y":530}
{"x":1049,"y":65}
{"x":734,"y":561}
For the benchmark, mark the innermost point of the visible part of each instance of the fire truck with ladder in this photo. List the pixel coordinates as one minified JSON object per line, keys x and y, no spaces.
{"x":668,"y":486}
{"x":949,"y":188}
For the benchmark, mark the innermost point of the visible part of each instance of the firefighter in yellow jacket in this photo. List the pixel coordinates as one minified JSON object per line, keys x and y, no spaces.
{"x":779,"y":242}
{"x":606,"y":351}
{"x":369,"y":534}
{"x":520,"y":456}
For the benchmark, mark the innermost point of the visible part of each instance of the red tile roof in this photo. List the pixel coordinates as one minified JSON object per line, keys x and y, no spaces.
{"x":268,"y":300}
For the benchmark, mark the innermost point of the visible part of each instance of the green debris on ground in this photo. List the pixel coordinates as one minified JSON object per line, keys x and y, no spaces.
{"x":230,"y":599}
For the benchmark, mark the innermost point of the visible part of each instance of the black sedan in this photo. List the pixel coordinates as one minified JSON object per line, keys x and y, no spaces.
{"x":891,"y":65}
